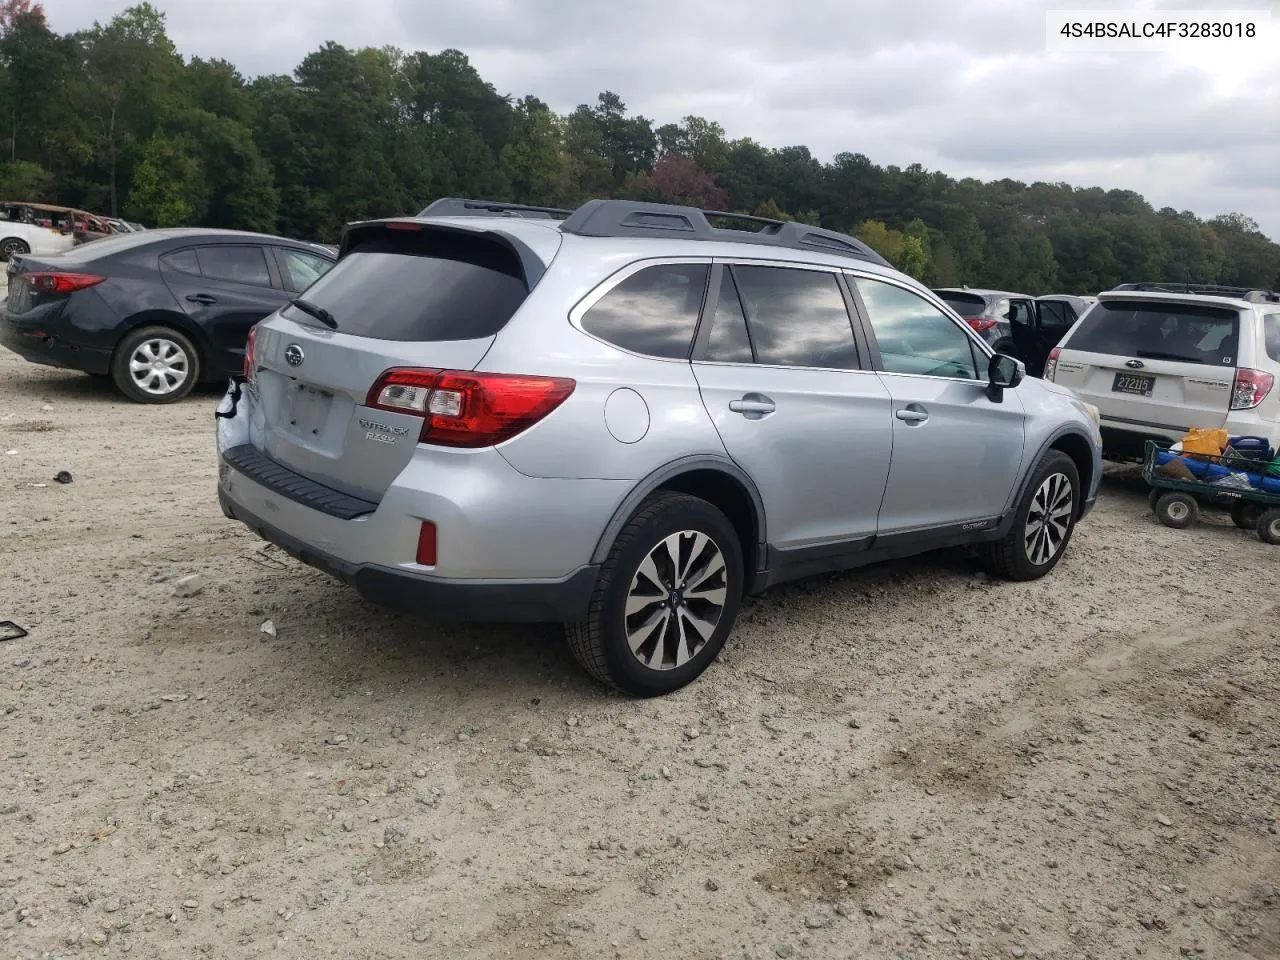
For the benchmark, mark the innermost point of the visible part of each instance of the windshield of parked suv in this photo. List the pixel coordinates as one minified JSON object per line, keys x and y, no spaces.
{"x":965,"y":304}
{"x":420,"y":285}
{"x":1187,"y":333}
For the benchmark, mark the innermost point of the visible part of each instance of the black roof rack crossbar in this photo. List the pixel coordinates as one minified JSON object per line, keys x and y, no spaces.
{"x":634,"y":218}
{"x":458,"y":207}
{"x":1250,"y":294}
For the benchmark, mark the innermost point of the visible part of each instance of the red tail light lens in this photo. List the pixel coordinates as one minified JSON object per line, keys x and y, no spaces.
{"x":60,"y":282}
{"x":462,"y":409}
{"x":1251,"y":388}
{"x":1051,"y":365}
{"x":981,"y":324}
{"x":251,"y":356}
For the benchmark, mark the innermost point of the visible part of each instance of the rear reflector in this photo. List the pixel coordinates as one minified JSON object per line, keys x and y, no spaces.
{"x":463,"y":409}
{"x":60,"y":282}
{"x":1251,"y":388}
{"x":427,"y":544}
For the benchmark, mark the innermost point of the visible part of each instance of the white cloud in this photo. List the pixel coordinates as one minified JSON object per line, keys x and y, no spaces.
{"x":963,"y":86}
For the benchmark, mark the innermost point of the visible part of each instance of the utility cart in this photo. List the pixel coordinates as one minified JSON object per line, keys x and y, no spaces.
{"x":1177,"y":501}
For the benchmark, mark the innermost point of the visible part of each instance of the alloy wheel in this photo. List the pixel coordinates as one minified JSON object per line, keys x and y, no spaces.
{"x":1049,"y":519}
{"x":675,"y":600}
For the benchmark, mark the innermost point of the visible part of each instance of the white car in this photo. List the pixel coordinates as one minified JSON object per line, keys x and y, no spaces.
{"x":17,"y":237}
{"x":1156,"y":359}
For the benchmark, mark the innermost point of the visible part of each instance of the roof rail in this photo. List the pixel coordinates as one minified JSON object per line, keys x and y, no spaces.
{"x":1248,"y":294}
{"x":633,"y":218}
{"x":457,"y":207}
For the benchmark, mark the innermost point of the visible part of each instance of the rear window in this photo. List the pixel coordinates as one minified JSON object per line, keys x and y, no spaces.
{"x":420,"y":285}
{"x":1271,"y":333}
{"x":1187,"y":333}
{"x":965,"y":304}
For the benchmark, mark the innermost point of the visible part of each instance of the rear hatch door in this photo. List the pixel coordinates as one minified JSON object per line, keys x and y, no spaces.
{"x":1148,"y":363}
{"x":402,"y":295}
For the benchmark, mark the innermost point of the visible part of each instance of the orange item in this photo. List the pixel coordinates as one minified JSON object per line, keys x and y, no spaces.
{"x":1202,"y":440}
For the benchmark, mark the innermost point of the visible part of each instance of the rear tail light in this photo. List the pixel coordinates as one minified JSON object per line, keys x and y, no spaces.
{"x":60,"y":282}
{"x":1251,"y":388}
{"x":981,"y":324}
{"x":251,"y":357}
{"x":462,"y":409}
{"x":1051,"y":365}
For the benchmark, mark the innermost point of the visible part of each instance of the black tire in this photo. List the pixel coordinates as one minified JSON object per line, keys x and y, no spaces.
{"x":169,"y":388}
{"x":600,"y":642}
{"x":1269,"y":526}
{"x":12,"y":245}
{"x":1245,"y":514}
{"x":1012,"y":556}
{"x":1154,"y":494}
{"x":1178,"y":510}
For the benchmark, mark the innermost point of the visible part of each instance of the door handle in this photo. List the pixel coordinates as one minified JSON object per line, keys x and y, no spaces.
{"x":202,"y":298}
{"x":912,"y":414}
{"x":753,"y":406}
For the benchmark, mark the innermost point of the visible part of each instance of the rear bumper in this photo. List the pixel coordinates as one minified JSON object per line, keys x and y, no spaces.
{"x":510,"y":547}
{"x":33,"y":342}
{"x":1124,"y":439}
{"x":558,"y":601}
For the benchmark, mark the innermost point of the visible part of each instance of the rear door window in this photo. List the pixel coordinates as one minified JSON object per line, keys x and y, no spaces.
{"x":728,"y":340}
{"x":1022,"y":313}
{"x":1184,"y":333}
{"x":1055,"y":315}
{"x":237,"y":263}
{"x":652,"y":312}
{"x":796,"y":318}
{"x":422,"y":285}
{"x":183,"y":261}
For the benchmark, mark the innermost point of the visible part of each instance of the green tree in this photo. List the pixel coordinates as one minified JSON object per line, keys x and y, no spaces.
{"x":130,"y":68}
{"x":884,"y":241}
{"x":167,"y":187}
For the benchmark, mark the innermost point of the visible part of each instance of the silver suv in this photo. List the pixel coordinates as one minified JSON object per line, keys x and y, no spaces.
{"x":626,"y":418}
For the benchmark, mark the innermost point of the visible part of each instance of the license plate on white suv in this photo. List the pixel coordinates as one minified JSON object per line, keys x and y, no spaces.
{"x":1136,"y":384}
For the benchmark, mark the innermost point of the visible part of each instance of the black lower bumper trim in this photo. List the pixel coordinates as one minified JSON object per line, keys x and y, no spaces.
{"x":264,"y":471}
{"x":561,"y":601}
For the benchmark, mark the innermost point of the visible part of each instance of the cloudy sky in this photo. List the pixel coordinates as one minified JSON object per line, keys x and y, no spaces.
{"x":964,"y":86}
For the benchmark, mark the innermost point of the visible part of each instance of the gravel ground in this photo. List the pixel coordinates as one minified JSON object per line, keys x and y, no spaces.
{"x":906,"y":761}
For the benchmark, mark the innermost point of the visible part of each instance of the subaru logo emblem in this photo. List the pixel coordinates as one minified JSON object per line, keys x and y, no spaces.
{"x":293,"y":355}
{"x":1131,"y":364}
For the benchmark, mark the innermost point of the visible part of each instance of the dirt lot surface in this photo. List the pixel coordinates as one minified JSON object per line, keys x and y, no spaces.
{"x":907,"y":761}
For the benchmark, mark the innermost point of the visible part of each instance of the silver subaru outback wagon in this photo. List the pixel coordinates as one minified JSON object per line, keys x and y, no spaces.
{"x":628,"y":417}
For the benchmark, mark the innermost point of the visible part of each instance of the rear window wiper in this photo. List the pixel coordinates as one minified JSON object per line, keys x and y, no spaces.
{"x":1157,"y":355}
{"x":320,"y":313}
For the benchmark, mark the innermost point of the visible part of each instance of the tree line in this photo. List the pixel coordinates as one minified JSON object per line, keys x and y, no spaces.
{"x":114,"y":120}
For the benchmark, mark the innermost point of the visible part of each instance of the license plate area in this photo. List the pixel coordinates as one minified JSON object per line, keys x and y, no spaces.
{"x":1133,"y":383}
{"x":308,"y":411}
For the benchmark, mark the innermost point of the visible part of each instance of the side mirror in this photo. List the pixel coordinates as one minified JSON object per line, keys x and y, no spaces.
{"x":1003,"y":373}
